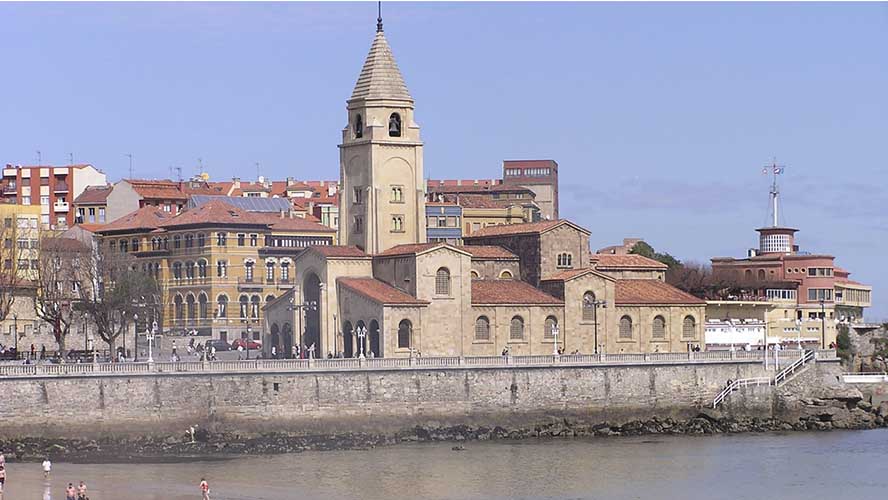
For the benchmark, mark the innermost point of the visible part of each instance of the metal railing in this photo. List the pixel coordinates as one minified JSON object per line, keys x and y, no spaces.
{"x":736,"y":384}
{"x":445,"y":362}
{"x":784,"y":374}
{"x":865,"y":377}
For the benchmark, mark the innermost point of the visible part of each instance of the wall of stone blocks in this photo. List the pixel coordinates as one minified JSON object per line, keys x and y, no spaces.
{"x":378,"y":401}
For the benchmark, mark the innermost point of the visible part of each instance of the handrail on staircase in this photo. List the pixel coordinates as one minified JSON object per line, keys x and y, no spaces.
{"x":781,"y":377}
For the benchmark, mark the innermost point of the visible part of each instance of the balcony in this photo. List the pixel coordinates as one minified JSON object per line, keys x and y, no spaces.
{"x":61,"y":187}
{"x":10,"y":188}
{"x":61,"y":206}
{"x":249,"y":283}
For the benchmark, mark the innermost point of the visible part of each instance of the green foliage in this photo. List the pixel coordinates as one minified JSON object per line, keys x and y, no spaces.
{"x":843,"y":343}
{"x":645,"y":250}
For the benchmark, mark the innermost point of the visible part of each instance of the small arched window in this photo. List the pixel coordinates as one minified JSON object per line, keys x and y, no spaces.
{"x":761,"y":275}
{"x":189,"y":301}
{"x":748,"y":275}
{"x":222,"y":306}
{"x":269,"y":271}
{"x":395,"y":125}
{"x":474,"y":274}
{"x":506,"y":274}
{"x":177,"y":270}
{"x":244,"y":306}
{"x":180,"y":312}
{"x":516,"y":328}
{"x":658,"y":328}
{"x":564,"y":260}
{"x":482,"y":328}
{"x":202,"y":268}
{"x":689,"y":327}
{"x":359,"y":127}
{"x":405,"y":332}
{"x":442,"y":282}
{"x":589,"y":312}
{"x":254,"y":306}
{"x":625,"y":327}
{"x":202,"y":306}
{"x":550,"y":327}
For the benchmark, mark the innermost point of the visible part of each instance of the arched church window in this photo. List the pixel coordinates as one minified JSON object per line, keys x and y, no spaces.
{"x":395,"y":125}
{"x":359,"y":127}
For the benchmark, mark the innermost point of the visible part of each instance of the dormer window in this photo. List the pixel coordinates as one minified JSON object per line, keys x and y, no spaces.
{"x":395,"y":125}
{"x":359,"y":127}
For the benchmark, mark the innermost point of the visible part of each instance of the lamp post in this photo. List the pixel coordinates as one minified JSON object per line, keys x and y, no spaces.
{"x":15,"y":333}
{"x":595,"y":305}
{"x":249,"y":337}
{"x":555,"y":336}
{"x":822,"y":324}
{"x":311,"y":305}
{"x":149,"y":334}
{"x":135,"y":336}
{"x":361,"y":333}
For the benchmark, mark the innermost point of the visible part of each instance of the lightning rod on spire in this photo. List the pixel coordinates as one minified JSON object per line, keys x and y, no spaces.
{"x":379,"y":17}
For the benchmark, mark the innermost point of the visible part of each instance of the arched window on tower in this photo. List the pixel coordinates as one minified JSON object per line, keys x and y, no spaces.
{"x":395,"y":125}
{"x":359,"y":127}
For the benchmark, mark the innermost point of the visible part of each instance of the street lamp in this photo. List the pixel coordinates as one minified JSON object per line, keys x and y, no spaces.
{"x":149,"y":334}
{"x":822,"y":324}
{"x":555,"y":344}
{"x":15,"y":333}
{"x":135,"y":336}
{"x":311,"y":305}
{"x":361,"y":332}
{"x":595,"y":304}
{"x":249,"y":337}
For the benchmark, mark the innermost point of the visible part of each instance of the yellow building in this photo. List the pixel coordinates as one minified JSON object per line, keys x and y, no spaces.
{"x":218,"y":264}
{"x":21,"y":239}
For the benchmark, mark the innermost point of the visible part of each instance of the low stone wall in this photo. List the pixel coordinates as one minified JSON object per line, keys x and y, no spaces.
{"x":380,"y":401}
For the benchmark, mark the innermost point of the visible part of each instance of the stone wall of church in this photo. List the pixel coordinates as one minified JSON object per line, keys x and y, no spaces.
{"x":447,"y":315}
{"x":533,"y":339}
{"x":323,"y":402}
{"x":564,"y":239}
{"x":642,"y":339}
{"x":493,"y":269}
{"x":526,"y":247}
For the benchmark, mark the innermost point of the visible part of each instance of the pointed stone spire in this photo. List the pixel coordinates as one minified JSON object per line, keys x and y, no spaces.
{"x":380,"y":77}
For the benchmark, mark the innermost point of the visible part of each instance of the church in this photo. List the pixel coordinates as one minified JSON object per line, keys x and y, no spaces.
{"x":526,"y":289}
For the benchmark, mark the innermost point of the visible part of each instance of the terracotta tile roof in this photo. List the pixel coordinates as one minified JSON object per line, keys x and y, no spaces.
{"x":409,"y":249}
{"x":652,"y":292}
{"x":163,"y":189}
{"x":58,"y":244}
{"x":91,"y":227}
{"x":626,"y":261}
{"x":334,"y":251}
{"x":148,"y":217}
{"x":93,"y":195}
{"x":525,"y":228}
{"x":380,"y":291}
{"x":488,"y":252}
{"x":509,"y":292}
{"x":213,"y":212}
{"x":570,"y":274}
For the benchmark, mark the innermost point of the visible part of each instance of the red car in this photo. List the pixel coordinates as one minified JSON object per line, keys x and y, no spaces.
{"x":253,"y":345}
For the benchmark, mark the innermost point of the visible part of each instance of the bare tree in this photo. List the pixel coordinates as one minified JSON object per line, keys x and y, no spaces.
{"x":113,"y":290}
{"x":10,"y":279}
{"x":57,"y":280}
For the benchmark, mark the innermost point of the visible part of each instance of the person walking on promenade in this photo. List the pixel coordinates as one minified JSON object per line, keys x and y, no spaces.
{"x":81,"y":491}
{"x":42,"y":351}
{"x":204,"y":489}
{"x":70,"y":492}
{"x":47,"y":467}
{"x":2,"y":479}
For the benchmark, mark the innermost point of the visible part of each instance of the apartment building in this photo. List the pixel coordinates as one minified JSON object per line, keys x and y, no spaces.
{"x":50,"y":188}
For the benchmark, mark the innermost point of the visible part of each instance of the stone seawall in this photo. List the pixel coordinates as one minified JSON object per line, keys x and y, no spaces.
{"x":380,"y":401}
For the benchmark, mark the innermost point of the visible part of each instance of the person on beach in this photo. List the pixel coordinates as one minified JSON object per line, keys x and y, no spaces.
{"x":47,"y":467}
{"x":204,"y":489}
{"x":2,"y":478}
{"x":81,"y":491}
{"x":70,"y":492}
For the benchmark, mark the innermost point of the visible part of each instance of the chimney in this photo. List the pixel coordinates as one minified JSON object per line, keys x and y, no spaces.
{"x":291,"y":181}
{"x":236,"y":182}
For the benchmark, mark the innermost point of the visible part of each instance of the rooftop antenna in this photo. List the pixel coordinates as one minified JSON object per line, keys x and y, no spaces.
{"x":257,"y":171}
{"x":774,"y":170}
{"x":39,"y":158}
{"x":200,"y":166}
{"x":178,"y":172}
{"x":71,"y":158}
{"x":379,"y":17}
{"x":130,"y":156}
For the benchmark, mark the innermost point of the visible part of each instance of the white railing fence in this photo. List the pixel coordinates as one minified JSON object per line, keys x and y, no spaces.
{"x":736,"y":384}
{"x":276,"y":365}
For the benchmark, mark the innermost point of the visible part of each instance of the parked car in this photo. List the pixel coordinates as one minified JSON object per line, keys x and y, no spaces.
{"x":246,"y":344}
{"x":219,"y":344}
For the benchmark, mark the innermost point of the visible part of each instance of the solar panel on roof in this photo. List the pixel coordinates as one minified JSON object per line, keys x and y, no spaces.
{"x":249,"y":204}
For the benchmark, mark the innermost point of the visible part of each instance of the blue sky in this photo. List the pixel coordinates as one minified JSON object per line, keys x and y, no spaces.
{"x":659,"y":115}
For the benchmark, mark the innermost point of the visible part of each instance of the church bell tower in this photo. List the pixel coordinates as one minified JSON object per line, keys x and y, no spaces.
{"x":382,"y":196}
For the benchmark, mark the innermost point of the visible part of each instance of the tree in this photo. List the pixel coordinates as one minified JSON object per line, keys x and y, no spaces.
{"x":645,"y":250}
{"x":10,"y":279}
{"x":692,"y":277}
{"x":57,"y":279}
{"x":114,"y":290}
